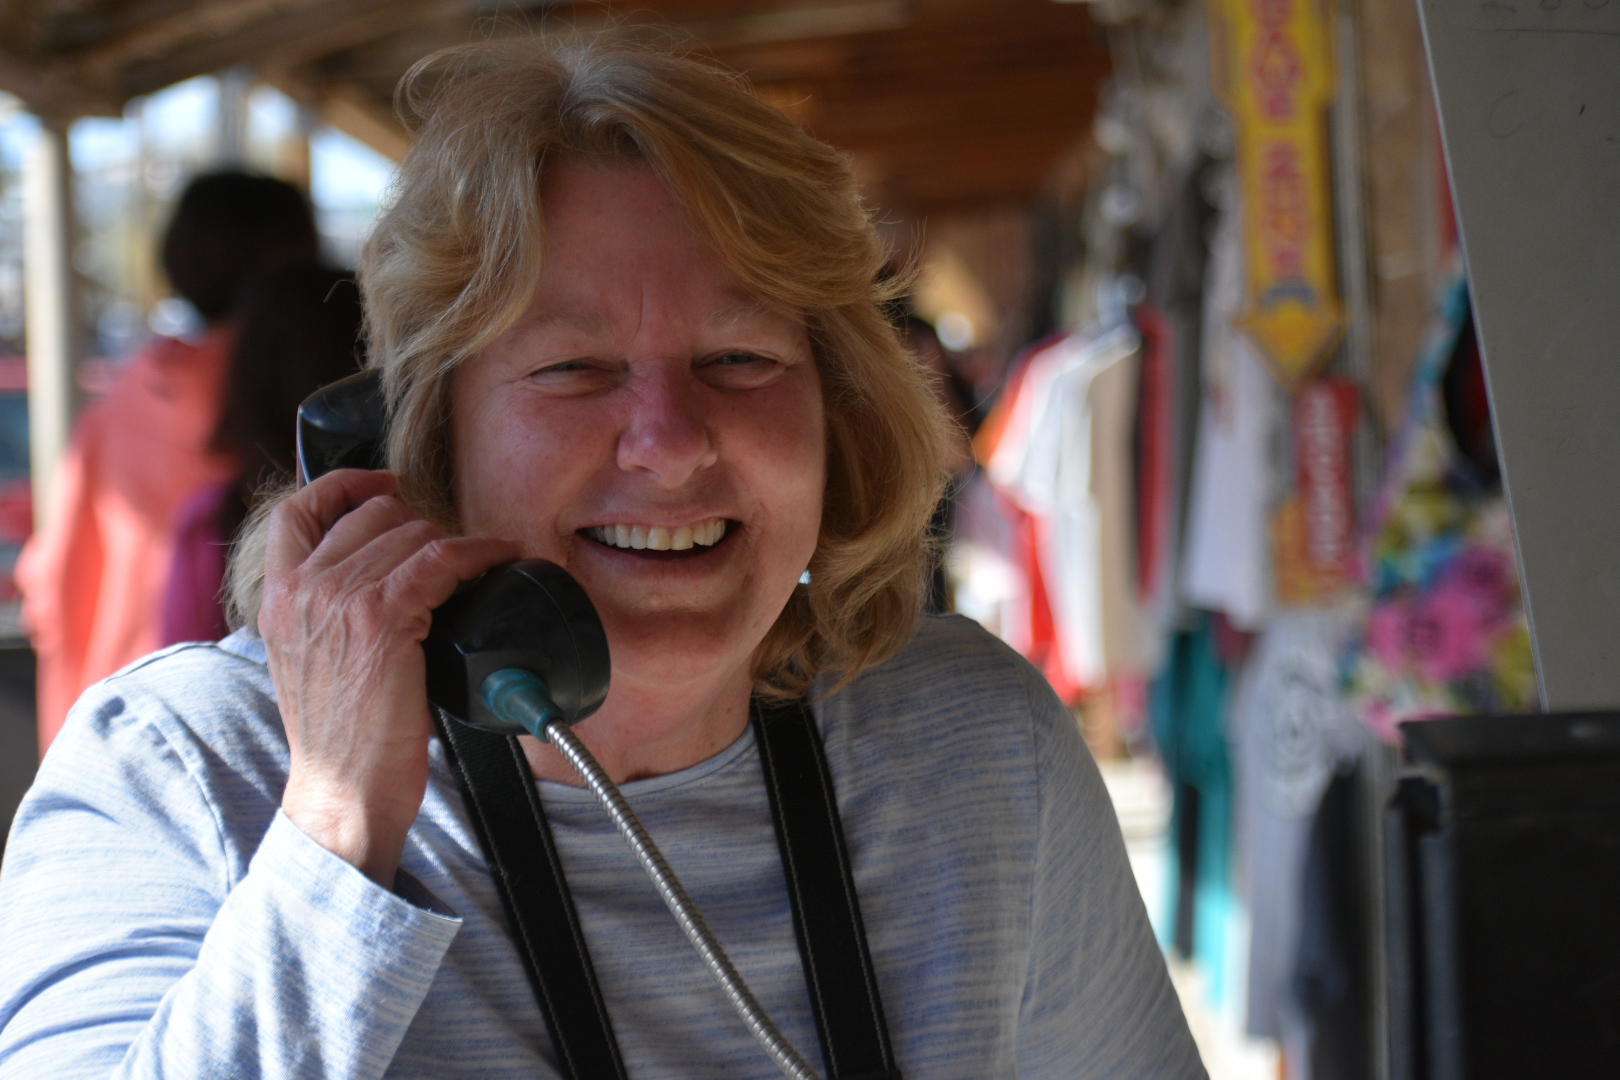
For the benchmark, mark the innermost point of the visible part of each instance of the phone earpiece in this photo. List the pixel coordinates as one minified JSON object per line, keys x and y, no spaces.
{"x":531,"y":615}
{"x":342,"y":426}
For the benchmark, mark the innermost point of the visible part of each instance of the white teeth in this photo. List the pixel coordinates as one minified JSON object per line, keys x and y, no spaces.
{"x":659,"y":537}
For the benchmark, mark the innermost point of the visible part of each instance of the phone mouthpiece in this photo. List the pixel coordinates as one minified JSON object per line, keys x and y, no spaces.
{"x":522,"y":698}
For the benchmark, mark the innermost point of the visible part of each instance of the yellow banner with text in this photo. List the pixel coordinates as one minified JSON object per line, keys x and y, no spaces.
{"x":1274,"y":73}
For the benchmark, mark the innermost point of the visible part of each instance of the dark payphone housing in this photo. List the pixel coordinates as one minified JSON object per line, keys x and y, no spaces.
{"x":1502,"y":857}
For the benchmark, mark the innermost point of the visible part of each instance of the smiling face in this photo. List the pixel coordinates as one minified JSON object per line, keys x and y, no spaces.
{"x":649,"y":426}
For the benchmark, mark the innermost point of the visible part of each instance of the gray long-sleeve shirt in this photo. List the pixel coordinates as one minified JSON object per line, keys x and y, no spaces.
{"x":160,"y":917}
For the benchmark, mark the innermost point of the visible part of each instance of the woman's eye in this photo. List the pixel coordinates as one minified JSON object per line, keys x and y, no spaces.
{"x":571,"y":376}
{"x":741,"y":370}
{"x":557,"y":366}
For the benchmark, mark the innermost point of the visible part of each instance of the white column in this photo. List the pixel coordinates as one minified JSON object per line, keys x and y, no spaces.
{"x":235,"y":84}
{"x":52,"y":309}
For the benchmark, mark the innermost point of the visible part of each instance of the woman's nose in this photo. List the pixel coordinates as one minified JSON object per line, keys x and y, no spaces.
{"x":668,"y":433}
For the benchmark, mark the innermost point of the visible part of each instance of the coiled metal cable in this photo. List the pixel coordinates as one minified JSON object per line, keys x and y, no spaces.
{"x":522,"y":697}
{"x":680,"y":905}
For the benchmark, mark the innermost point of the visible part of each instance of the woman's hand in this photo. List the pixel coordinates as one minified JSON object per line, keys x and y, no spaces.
{"x":347,"y":604}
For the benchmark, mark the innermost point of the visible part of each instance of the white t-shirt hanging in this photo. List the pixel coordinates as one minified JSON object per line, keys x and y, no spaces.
{"x":1227,"y":558}
{"x":1064,"y":443}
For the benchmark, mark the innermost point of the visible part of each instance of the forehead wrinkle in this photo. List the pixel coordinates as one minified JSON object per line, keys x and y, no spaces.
{"x":587,"y":319}
{"x":568,"y":317}
{"x":744,"y":310}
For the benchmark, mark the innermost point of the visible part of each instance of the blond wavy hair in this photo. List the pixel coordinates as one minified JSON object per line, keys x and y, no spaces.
{"x":452,"y":262}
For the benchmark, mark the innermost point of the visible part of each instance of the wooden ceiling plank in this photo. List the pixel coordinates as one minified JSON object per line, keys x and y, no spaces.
{"x":1016,"y":157}
{"x":162,"y":37}
{"x":22,"y":27}
{"x":996,"y":84}
{"x":254,"y":43}
{"x":911,"y":126}
{"x":75,"y":31}
{"x":850,"y":79}
{"x":677,"y":11}
{"x":353,"y":111}
{"x":307,"y":47}
{"x":380,"y":61}
{"x":800,"y":23}
{"x":972,"y":101}
{"x":946,"y":60}
{"x":350,"y":109}
{"x":47,"y":94}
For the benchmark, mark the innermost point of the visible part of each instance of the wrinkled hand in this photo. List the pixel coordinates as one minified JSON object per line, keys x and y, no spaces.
{"x":347,"y":604}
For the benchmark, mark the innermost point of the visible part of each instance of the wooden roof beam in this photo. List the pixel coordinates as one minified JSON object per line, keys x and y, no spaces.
{"x":48,"y":94}
{"x":801,"y":23}
{"x":73,"y":31}
{"x":22,"y":24}
{"x":350,"y":109}
{"x":286,"y":38}
{"x":360,"y":116}
{"x":160,"y":37}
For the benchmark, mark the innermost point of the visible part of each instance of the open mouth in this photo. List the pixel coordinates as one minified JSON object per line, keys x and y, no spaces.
{"x":659,"y":542}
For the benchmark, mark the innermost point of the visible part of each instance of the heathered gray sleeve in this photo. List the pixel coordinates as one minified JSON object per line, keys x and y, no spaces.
{"x":135,"y":942}
{"x":1098,"y":1002}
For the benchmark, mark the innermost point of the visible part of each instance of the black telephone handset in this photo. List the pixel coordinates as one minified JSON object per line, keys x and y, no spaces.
{"x":528,"y":616}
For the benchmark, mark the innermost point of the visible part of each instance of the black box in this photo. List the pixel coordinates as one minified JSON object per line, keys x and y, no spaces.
{"x":1502,"y":857}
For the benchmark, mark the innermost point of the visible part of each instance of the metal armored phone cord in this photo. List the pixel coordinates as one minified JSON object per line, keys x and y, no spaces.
{"x":523,"y":698}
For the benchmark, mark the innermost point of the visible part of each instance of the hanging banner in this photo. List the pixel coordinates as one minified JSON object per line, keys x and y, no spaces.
{"x":1274,"y":73}
{"x":1313,"y":534}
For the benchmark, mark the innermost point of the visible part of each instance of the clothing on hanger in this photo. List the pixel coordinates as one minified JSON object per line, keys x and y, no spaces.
{"x":1061,"y":455}
{"x":1226,"y":558}
{"x":1448,"y":632}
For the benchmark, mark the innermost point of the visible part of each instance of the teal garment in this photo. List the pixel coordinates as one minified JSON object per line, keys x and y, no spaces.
{"x":1187,"y":707}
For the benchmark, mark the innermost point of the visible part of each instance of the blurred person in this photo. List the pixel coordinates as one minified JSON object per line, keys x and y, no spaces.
{"x":296,"y":332}
{"x":93,"y":574}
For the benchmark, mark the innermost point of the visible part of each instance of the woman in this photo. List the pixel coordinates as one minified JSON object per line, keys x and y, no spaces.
{"x":626,"y":320}
{"x":300,"y":329}
{"x":93,"y":575}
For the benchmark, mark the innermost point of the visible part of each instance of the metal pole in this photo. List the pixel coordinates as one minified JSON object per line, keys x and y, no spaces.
{"x":1375,"y":776}
{"x":299,"y":160}
{"x":235,"y":84}
{"x":1350,"y":205}
{"x":52,"y":305}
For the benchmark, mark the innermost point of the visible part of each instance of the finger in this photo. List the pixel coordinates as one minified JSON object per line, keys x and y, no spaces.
{"x":361,"y":526}
{"x":303,"y":518}
{"x":380,"y":555}
{"x":430,"y":576}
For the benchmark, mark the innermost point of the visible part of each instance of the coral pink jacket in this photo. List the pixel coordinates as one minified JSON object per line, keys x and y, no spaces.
{"x":93,"y":575}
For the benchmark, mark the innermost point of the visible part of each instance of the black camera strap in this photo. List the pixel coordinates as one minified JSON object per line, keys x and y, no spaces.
{"x":503,"y":802}
{"x":826,"y":912}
